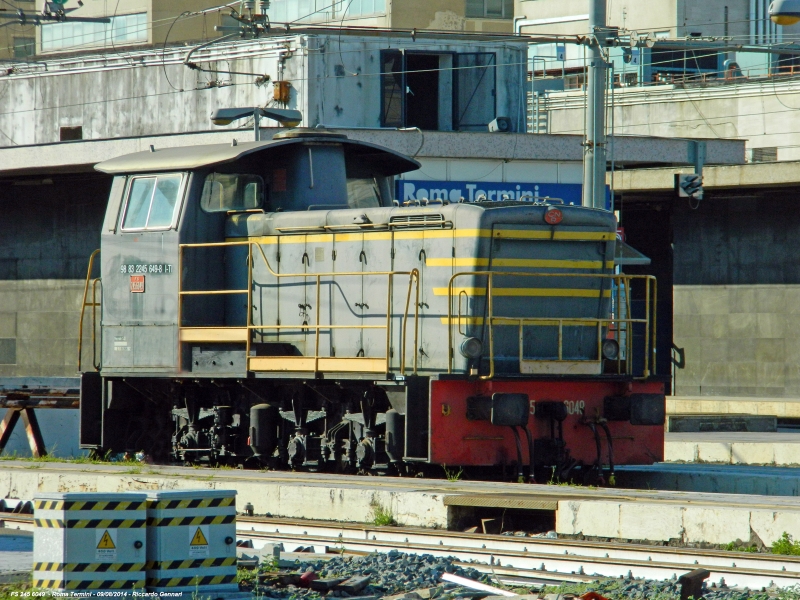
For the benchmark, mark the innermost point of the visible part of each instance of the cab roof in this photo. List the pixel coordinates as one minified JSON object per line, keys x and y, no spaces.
{"x":378,"y":159}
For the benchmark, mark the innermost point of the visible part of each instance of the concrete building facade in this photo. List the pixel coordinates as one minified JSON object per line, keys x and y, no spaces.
{"x":740,"y":21}
{"x":335,"y":80}
{"x":736,"y":279}
{"x":762,"y":111}
{"x":143,"y":23}
{"x":667,"y":18}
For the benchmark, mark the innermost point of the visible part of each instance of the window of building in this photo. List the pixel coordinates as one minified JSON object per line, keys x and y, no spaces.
{"x":8,"y":351}
{"x":24,"y":47}
{"x":223,"y":192}
{"x":122,"y":30}
{"x":310,"y":11}
{"x":67,"y":134}
{"x":152,"y":202}
{"x":490,"y":9}
{"x":685,"y":63}
{"x":438,"y":92}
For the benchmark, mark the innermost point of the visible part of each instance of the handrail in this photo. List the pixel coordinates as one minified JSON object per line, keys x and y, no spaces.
{"x":95,"y":304}
{"x":367,"y":226}
{"x":317,"y":327}
{"x":83,"y":312}
{"x":622,"y":280}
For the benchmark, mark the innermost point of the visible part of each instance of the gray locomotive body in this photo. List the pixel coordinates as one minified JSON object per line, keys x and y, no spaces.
{"x":269,"y":302}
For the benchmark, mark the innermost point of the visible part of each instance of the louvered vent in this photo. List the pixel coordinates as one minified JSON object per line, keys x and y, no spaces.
{"x":412,"y":220}
{"x":761,"y":155}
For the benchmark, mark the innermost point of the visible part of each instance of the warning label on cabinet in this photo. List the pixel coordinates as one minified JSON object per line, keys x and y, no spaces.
{"x":106,"y":548}
{"x":198,"y":544}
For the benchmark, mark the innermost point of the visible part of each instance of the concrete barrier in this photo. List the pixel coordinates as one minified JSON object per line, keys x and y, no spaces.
{"x":646,"y":515}
{"x":741,"y":448}
{"x":657,"y":522}
{"x":303,"y":501}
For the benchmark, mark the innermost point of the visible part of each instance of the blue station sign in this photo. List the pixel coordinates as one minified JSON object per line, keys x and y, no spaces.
{"x":475,"y":191}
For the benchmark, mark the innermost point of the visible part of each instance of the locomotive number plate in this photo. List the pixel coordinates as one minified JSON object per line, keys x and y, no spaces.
{"x":137,"y":284}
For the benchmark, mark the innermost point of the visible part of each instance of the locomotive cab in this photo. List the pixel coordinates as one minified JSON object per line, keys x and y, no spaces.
{"x":164,"y":199}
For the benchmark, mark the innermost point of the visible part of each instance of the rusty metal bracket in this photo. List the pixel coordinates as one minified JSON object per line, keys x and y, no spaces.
{"x":34,"y":434}
{"x":692,"y":584}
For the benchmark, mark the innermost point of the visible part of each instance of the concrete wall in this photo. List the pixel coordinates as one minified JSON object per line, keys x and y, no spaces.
{"x":118,"y":97}
{"x":47,"y":233}
{"x":740,"y":340}
{"x":737,"y":297}
{"x":334,"y":82}
{"x":765,"y":113}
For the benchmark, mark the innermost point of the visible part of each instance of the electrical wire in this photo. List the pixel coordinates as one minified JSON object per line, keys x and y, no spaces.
{"x":111,"y":36}
{"x":174,"y":20}
{"x":164,"y":50}
{"x":681,"y":121}
{"x":293,"y":81}
{"x":297,"y":80}
{"x":299,"y":19}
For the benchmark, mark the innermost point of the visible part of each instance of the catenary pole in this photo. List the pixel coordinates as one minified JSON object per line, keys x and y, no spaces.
{"x":594,"y":155}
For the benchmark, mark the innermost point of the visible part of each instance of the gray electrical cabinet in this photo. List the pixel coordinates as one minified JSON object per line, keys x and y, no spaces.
{"x":89,"y":541}
{"x":191,"y":541}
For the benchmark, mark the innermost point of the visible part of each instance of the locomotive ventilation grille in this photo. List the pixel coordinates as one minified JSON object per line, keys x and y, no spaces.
{"x":417,"y":220}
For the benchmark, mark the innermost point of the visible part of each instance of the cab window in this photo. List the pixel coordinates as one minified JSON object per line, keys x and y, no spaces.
{"x":152,"y":202}
{"x":224,"y":192}
{"x":363,"y":193}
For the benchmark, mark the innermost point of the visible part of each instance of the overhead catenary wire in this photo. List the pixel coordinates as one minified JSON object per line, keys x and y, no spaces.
{"x":149,"y":24}
{"x":339,"y":2}
{"x":295,"y":81}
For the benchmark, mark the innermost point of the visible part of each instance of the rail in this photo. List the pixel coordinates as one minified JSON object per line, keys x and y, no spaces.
{"x":523,"y":559}
{"x":308,"y":363}
{"x":619,"y":327}
{"x":95,"y":283}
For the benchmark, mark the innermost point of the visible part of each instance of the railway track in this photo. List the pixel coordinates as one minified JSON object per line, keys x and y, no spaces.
{"x":536,"y":558}
{"x":517,"y":559}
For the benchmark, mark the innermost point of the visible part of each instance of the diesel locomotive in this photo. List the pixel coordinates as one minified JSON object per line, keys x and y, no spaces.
{"x":270,"y":304}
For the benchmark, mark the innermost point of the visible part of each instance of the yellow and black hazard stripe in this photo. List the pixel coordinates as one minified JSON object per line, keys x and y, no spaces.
{"x":178,"y":521}
{"x":90,"y":523}
{"x":49,"y":523}
{"x":192,"y":503}
{"x":87,"y":505}
{"x":88,"y":584}
{"x":88,"y":567}
{"x":105,"y":523}
{"x":171,"y":565}
{"x":191,"y":581}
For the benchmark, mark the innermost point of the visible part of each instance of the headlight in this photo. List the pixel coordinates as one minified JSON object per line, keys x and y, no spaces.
{"x":785,"y":12}
{"x":610,"y":349}
{"x":471,"y":348}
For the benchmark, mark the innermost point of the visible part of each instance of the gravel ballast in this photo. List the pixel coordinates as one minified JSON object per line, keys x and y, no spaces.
{"x":396,"y":573}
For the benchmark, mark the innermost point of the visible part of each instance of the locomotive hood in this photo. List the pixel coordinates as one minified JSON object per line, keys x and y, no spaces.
{"x":380,"y":160}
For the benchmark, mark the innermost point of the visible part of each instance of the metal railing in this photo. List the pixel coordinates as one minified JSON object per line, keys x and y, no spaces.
{"x":95,"y":283}
{"x":619,"y":327}
{"x":317,"y":362}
